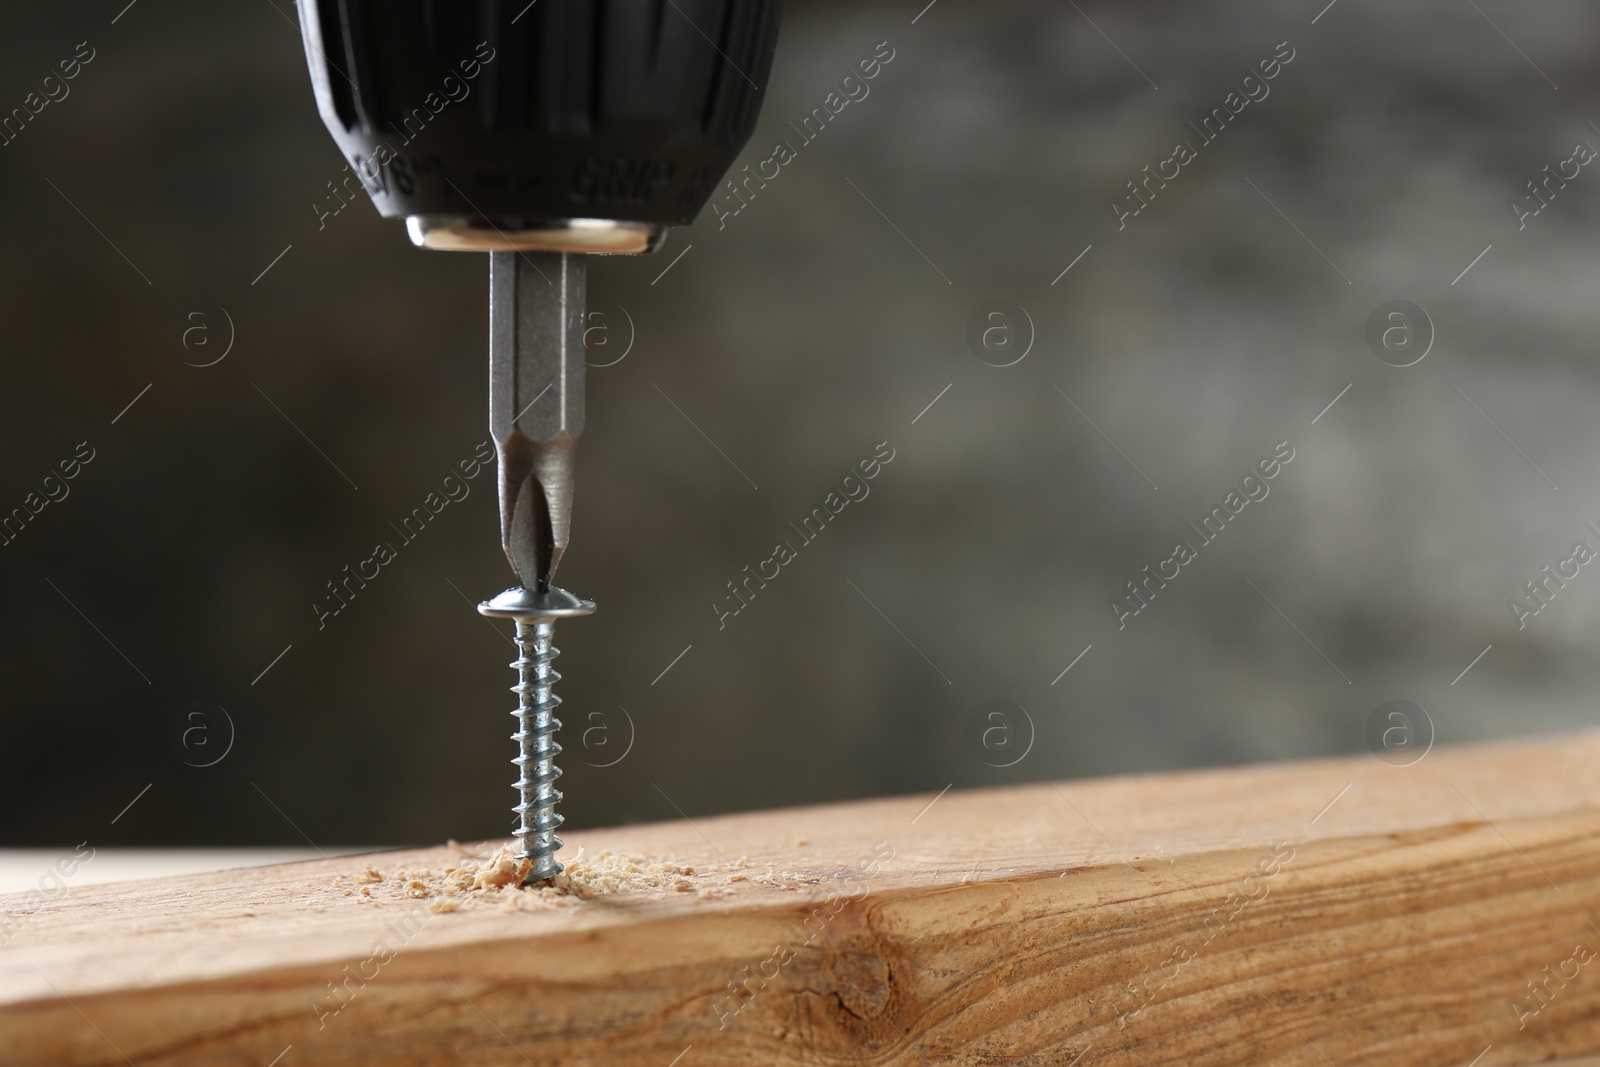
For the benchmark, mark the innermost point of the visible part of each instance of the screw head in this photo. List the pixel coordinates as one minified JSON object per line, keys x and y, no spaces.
{"x":520,"y":603}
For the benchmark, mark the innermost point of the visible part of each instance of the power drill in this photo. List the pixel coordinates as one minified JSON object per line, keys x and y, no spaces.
{"x":540,"y":132}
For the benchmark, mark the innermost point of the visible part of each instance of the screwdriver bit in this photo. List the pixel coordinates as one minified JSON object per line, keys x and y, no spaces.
{"x":536,"y":306}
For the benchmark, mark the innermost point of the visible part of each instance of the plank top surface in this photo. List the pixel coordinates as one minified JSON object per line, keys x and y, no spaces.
{"x":87,"y":939}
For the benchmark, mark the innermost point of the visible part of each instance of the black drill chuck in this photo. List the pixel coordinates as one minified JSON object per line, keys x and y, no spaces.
{"x":534,"y":124}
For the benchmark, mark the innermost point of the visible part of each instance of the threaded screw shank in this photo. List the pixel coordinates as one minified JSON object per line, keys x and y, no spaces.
{"x":535,"y":736}
{"x":535,"y":614}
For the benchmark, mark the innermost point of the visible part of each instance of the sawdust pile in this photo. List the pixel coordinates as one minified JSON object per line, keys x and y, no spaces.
{"x":495,"y":881}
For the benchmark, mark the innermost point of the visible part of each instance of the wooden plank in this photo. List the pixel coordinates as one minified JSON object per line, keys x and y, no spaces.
{"x":1339,"y":911}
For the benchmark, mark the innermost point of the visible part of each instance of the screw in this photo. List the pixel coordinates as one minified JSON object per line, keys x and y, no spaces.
{"x":535,"y":615}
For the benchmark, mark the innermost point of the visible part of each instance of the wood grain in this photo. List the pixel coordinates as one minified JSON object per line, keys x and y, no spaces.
{"x":1333,"y":912}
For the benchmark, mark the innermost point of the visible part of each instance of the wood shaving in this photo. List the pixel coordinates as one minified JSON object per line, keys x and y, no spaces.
{"x":496,"y":880}
{"x":774,"y":879}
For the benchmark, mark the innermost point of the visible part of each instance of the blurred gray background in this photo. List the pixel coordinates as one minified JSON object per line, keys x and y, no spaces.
{"x":178,"y":575}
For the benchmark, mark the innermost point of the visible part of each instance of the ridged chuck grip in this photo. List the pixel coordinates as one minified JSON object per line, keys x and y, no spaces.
{"x":629,"y":110}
